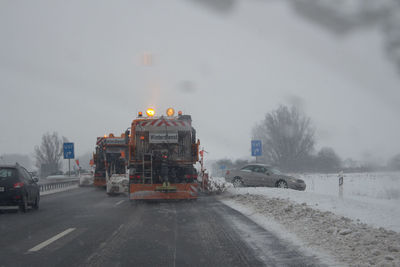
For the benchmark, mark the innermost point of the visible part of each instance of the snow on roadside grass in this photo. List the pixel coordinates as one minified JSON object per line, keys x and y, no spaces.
{"x":359,"y":229}
{"x":354,"y":244}
{"x":379,"y":185}
{"x":375,"y":212}
{"x":364,"y":198}
{"x":218,"y":185}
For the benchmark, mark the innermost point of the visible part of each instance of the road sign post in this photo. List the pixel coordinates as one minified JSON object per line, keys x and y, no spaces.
{"x":69,"y":154}
{"x":256,"y":148}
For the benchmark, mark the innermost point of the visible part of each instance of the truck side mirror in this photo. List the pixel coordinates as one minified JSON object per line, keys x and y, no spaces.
{"x":127,"y":136}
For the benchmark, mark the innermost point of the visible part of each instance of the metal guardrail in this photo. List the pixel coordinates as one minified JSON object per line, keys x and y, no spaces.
{"x":57,"y":185}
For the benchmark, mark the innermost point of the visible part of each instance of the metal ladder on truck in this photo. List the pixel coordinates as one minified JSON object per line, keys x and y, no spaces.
{"x":147,"y":168}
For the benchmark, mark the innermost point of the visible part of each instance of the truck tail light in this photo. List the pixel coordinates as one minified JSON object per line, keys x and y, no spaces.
{"x":227,"y":172}
{"x":188,"y":176}
{"x":137,"y":176}
{"x":18,"y":185}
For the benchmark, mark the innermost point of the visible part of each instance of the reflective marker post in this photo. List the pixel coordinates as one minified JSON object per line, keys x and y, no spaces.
{"x":340,"y":175}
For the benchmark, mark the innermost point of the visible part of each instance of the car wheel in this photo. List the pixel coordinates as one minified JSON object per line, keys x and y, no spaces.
{"x":24,"y":205}
{"x":36,"y":203}
{"x":281,"y":184}
{"x":237,"y":182}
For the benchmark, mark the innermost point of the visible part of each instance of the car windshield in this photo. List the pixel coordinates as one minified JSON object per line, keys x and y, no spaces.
{"x":7,"y":173}
{"x":276,"y":171}
{"x":247,"y":168}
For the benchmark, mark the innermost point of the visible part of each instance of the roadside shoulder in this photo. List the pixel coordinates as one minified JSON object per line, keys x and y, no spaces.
{"x":331,"y":237}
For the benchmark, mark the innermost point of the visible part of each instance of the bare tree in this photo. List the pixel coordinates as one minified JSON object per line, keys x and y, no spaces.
{"x":328,"y":161}
{"x":50,"y":151}
{"x":287,"y":137}
{"x":394,"y":163}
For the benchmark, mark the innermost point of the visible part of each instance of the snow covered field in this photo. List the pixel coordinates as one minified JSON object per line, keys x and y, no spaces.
{"x":385,"y":185}
{"x":362,"y":228}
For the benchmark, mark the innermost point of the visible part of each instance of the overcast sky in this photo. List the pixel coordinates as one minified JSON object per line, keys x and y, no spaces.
{"x":75,"y":67}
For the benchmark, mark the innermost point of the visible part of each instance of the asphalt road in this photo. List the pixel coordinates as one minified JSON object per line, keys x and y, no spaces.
{"x":84,"y":227}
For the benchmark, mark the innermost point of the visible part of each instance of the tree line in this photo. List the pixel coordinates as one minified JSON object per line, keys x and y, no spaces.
{"x":47,"y":157}
{"x":288,"y":142}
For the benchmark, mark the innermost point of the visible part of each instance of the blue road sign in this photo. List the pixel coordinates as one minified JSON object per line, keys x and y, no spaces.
{"x":256,"y":148}
{"x":68,"y":150}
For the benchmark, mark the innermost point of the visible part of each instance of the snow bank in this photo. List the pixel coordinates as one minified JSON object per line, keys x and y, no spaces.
{"x":218,"y":185}
{"x":362,"y":228}
{"x":375,"y":212}
{"x":369,"y":198}
{"x":354,"y":244}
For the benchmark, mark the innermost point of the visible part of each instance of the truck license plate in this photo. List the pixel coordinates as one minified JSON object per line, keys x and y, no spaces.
{"x":1,"y":189}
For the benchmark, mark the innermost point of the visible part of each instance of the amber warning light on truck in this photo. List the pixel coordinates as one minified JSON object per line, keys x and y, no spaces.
{"x":150,"y":112}
{"x":170,"y":112}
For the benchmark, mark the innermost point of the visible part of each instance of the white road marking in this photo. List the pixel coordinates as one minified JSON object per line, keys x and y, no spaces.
{"x":116,"y":231}
{"x":119,"y":202}
{"x":51,"y":240}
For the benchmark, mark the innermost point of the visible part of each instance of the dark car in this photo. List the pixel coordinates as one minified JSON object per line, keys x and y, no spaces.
{"x":263,"y":175}
{"x":17,"y":188}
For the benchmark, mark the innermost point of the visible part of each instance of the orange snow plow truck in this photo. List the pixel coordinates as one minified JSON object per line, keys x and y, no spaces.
{"x":162,"y":154}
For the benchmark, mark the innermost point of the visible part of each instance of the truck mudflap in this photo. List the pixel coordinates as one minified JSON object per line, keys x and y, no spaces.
{"x":160,"y":191}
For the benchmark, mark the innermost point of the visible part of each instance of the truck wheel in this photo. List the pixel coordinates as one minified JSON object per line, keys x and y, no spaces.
{"x":237,"y":182}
